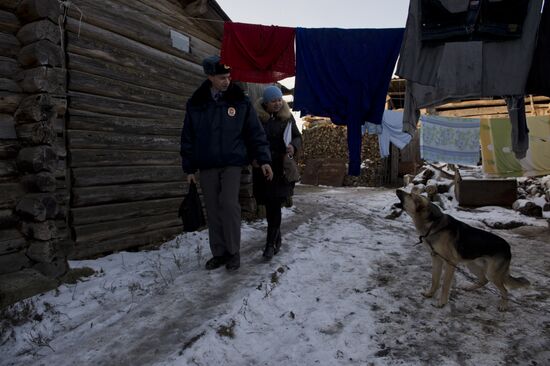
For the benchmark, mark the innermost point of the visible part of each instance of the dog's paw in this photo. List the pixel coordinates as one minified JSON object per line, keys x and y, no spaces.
{"x":440,"y":304}
{"x":428,"y":294}
{"x":503,"y":306}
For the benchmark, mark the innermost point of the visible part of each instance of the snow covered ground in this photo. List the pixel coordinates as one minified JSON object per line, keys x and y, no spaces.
{"x":345,"y":290}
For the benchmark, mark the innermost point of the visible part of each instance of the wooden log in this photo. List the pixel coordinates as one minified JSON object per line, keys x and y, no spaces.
{"x":43,"y":80}
{"x":37,"y":207}
{"x":113,"y":229}
{"x":40,"y":182}
{"x":133,"y":26}
{"x":90,"y":249}
{"x":34,"y":108}
{"x":8,"y":220}
{"x":8,"y":67}
{"x":9,"y":22}
{"x":104,"y":140}
{"x":9,"y":4}
{"x":8,"y":168}
{"x":9,"y":149}
{"x":37,"y":159}
{"x":9,"y":85}
{"x":32,"y":10}
{"x":120,"y":211}
{"x":118,"y":38}
{"x":41,"y":53}
{"x":45,"y":230}
{"x":184,"y":86}
{"x":85,"y":177}
{"x":98,"y":85}
{"x":7,"y":127}
{"x":82,"y":120}
{"x":171,"y":13}
{"x":93,"y":157}
{"x":9,"y":45}
{"x":37,"y":133}
{"x":42,"y":251}
{"x":119,"y":107}
{"x":11,"y":193}
{"x":9,"y":102}
{"x":473,"y":112}
{"x":11,"y":240}
{"x":42,"y":30}
{"x":89,"y":196}
{"x":13,"y":262}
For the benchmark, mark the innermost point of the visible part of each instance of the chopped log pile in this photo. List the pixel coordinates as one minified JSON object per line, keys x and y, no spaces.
{"x":325,"y":142}
{"x":438,"y":183}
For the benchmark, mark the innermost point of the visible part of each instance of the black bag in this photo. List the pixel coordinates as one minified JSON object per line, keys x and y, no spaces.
{"x":191,"y":210}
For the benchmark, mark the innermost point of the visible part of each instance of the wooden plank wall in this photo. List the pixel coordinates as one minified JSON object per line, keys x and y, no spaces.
{"x":12,"y":241}
{"x":127,"y":92}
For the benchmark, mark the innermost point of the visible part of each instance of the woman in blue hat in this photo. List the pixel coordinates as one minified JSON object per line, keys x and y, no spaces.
{"x":276,"y":118}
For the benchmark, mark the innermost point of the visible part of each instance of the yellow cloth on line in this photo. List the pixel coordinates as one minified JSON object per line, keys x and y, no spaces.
{"x":497,"y":156}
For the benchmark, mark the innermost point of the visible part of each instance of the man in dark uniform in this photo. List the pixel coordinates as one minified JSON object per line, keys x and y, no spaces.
{"x":221,"y":134}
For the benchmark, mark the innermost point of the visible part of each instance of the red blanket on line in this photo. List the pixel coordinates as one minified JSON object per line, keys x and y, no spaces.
{"x":258,"y":53}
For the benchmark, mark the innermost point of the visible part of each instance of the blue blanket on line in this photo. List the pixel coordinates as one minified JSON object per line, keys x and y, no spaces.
{"x":344,"y":74}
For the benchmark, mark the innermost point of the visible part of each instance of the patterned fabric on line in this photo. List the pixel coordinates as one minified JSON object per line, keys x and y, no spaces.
{"x":496,"y":148}
{"x":450,"y":140}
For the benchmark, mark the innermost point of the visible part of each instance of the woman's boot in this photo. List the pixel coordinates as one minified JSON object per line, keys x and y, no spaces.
{"x":278,"y":241}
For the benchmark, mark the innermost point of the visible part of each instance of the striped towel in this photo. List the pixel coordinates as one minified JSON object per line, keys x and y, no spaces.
{"x":450,"y":140}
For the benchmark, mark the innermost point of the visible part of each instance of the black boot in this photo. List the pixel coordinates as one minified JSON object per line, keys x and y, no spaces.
{"x":278,"y":241}
{"x":269,"y":251}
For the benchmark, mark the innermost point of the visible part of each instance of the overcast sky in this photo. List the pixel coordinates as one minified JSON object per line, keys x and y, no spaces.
{"x":319,"y":13}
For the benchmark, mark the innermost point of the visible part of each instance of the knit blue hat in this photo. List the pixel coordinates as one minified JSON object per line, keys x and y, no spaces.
{"x":271,"y":93}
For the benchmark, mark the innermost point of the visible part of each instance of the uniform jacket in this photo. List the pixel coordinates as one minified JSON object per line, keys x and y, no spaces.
{"x":274,"y":126}
{"x":221,"y":133}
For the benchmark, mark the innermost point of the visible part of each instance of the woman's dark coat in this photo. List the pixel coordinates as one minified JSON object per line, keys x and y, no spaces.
{"x":274,"y":127}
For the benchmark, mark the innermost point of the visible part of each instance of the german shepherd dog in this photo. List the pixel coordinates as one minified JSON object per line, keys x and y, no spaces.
{"x":451,"y":242}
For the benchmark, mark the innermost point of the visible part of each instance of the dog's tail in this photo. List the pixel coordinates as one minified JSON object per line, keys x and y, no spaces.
{"x":516,"y":282}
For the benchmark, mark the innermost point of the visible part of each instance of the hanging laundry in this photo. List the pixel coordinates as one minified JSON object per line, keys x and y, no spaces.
{"x":443,"y":72}
{"x":449,"y":140}
{"x":539,"y":76}
{"x":344,"y":74}
{"x":258,"y":53}
{"x":497,"y":156}
{"x":391,"y":130}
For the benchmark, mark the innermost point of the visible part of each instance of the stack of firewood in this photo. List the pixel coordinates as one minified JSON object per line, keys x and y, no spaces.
{"x":324,"y":140}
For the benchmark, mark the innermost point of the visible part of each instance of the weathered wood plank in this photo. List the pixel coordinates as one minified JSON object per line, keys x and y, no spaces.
{"x":8,"y":168}
{"x":119,"y":107}
{"x":43,"y":80}
{"x":11,"y":240}
{"x":88,"y":196}
{"x":9,"y":4}
{"x":94,"y":32}
{"x":7,"y":127}
{"x":133,"y":26}
{"x":9,"y":22}
{"x":105,"y":140}
{"x":108,"y":56}
{"x":113,"y":229}
{"x":38,"y":31}
{"x":107,"y":157}
{"x":11,"y":193}
{"x":83,"y":120}
{"x":9,"y":85}
{"x":8,"y":67}
{"x":140,"y":77}
{"x":103,"y":86}
{"x":90,"y":249}
{"x":120,"y":211}
{"x":41,"y":53}
{"x":9,"y":101}
{"x":9,"y":148}
{"x":9,"y":45}
{"x":85,"y":177}
{"x":32,"y":10}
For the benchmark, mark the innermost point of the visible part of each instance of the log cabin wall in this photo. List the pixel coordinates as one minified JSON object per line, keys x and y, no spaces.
{"x":34,"y":238}
{"x":127,"y":88}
